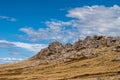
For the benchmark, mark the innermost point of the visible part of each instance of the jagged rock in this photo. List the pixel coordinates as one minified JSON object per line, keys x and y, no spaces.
{"x":79,"y":45}
{"x":113,"y":41}
{"x":68,"y":48}
{"x":81,"y":49}
{"x":56,"y":47}
{"x":117,"y":48}
{"x":68,"y":45}
{"x":98,"y":37}
{"x":88,"y":38}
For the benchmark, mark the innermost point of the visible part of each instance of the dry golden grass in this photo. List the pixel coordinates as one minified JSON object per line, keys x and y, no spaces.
{"x":103,"y":67}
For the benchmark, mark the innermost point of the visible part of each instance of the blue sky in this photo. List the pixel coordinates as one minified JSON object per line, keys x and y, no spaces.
{"x":26,"y":26}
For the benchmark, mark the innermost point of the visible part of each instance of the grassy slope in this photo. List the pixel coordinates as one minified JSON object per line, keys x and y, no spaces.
{"x":102,"y":67}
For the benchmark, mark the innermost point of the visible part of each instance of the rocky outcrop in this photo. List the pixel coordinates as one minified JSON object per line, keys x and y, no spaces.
{"x":117,"y":48}
{"x":81,"y":49}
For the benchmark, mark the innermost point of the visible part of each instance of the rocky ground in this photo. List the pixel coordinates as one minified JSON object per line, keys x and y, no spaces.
{"x":94,"y":58}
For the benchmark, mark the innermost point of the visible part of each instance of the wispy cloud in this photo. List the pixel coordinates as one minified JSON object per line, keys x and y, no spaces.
{"x":87,"y":20}
{"x":12,"y":48}
{"x":12,"y":19}
{"x":9,"y":60}
{"x":27,"y":46}
{"x":19,"y":49}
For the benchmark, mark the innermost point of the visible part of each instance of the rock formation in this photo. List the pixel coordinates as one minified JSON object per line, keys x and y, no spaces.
{"x":94,"y":58}
{"x":81,"y":49}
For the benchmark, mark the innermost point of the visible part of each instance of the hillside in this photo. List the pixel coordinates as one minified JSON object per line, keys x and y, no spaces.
{"x":94,"y":58}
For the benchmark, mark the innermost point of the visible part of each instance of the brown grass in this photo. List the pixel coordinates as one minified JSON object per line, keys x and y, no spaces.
{"x":103,"y":67}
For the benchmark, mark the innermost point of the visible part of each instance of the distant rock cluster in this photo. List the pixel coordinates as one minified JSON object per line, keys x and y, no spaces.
{"x":80,"y":50}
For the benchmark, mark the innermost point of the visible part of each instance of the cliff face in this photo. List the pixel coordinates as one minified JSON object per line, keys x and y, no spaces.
{"x":82,"y":49}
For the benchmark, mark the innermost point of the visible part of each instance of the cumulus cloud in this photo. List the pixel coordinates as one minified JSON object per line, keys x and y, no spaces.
{"x":87,"y":20}
{"x":12,"y":19}
{"x":9,"y":60}
{"x":97,"y":19}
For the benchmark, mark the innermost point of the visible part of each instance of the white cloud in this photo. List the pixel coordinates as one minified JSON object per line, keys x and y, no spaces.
{"x":27,"y":46}
{"x":12,"y":19}
{"x":30,"y":47}
{"x":54,"y":31}
{"x":9,"y":60}
{"x":18,"y":49}
{"x":87,"y":20}
{"x":97,"y":19}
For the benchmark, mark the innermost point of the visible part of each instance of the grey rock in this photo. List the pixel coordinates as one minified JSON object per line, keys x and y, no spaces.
{"x":81,"y":49}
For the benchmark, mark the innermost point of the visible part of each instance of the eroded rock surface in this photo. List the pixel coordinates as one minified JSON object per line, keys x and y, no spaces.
{"x":81,"y":49}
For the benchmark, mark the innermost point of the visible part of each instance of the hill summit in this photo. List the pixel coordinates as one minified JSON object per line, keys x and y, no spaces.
{"x":81,"y":49}
{"x":94,"y":58}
